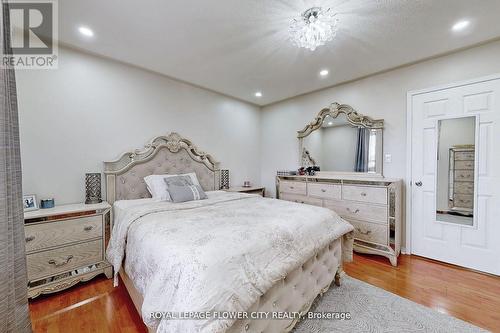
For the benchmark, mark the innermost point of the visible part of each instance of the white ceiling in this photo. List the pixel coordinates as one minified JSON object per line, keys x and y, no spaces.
{"x":238,"y":47}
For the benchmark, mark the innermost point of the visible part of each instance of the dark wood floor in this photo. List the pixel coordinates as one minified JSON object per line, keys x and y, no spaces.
{"x":96,"y":306}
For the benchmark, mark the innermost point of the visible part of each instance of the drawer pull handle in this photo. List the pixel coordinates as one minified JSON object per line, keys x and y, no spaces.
{"x":88,"y":228}
{"x":367,"y":232}
{"x":62,"y":263}
{"x":354,"y":212}
{"x":363,"y":194}
{"x":323,"y":190}
{"x":29,"y":239}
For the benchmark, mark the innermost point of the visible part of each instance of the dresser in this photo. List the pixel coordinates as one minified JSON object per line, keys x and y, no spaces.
{"x":371,"y":205}
{"x":66,"y":245}
{"x":461,"y":179}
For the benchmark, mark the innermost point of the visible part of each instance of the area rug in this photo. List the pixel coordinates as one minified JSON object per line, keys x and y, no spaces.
{"x":375,"y":310}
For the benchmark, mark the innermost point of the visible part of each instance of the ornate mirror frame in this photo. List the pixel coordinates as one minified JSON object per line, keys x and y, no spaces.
{"x":354,"y":118}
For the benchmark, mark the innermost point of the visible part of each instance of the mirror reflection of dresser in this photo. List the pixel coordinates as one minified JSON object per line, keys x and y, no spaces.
{"x":455,"y":179}
{"x":348,"y":148}
{"x":461,"y":194}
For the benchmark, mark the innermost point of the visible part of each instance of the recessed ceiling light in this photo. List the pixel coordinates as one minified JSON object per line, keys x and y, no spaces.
{"x":324,"y":72}
{"x":460,"y":25}
{"x":258,"y":94}
{"x":86,"y":31}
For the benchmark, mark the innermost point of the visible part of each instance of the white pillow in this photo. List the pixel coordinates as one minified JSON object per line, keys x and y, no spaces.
{"x":158,"y":188}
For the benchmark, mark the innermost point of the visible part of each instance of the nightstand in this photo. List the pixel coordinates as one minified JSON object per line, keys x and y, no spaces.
{"x":252,"y":189}
{"x":66,"y":245}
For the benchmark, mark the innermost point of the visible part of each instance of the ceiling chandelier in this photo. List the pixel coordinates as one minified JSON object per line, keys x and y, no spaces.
{"x":313,"y":28}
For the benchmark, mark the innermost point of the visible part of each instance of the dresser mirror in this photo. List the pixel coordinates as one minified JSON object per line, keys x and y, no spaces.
{"x":342,"y":140}
{"x":455,"y":170}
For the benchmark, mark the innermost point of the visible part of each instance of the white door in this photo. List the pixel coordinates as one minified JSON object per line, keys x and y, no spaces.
{"x":476,"y":246}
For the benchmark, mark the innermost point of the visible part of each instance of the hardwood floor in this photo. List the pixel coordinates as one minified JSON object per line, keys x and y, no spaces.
{"x":458,"y":292}
{"x":96,"y":306}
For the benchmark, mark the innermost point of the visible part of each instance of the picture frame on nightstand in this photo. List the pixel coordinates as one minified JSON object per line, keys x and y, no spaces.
{"x":30,"y":202}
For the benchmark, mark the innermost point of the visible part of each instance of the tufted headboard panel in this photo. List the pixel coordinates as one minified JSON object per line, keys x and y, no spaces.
{"x":171,"y":154}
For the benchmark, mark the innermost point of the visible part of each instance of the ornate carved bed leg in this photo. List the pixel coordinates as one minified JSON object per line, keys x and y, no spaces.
{"x":108,"y":271}
{"x":394,"y":260}
{"x":338,"y":276}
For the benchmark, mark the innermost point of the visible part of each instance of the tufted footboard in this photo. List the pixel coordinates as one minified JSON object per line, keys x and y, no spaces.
{"x":294,"y":293}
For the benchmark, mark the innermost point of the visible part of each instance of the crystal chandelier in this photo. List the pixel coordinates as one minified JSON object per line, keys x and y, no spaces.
{"x":313,"y":28}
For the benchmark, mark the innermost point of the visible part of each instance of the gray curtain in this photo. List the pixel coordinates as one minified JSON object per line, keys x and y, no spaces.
{"x":14,"y":313}
{"x":361,"y":163}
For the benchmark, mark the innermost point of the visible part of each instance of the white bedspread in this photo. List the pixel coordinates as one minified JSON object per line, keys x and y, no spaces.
{"x":218,"y":254}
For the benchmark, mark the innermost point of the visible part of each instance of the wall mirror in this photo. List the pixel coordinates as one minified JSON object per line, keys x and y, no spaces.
{"x":342,"y":140}
{"x":455,"y":170}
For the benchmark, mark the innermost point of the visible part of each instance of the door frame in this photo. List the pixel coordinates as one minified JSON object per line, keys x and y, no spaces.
{"x":409,"y":125}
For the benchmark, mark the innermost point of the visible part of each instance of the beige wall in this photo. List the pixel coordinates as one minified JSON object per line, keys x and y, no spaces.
{"x":91,"y":109}
{"x":379,"y":96}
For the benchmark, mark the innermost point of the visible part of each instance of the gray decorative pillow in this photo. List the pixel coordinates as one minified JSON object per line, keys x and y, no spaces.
{"x":182,"y":193}
{"x":178,"y":180}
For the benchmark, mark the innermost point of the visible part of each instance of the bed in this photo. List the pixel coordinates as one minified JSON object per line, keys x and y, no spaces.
{"x":230,"y":263}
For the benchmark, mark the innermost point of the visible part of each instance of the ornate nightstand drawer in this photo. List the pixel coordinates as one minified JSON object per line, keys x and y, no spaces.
{"x":52,"y":234}
{"x":65,"y":245}
{"x":51,"y":262}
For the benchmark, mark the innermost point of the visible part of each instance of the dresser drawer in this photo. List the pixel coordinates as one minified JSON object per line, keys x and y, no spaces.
{"x":327,"y":191}
{"x":464,"y":155}
{"x":376,"y":195}
{"x":293,"y":187}
{"x":464,"y":175}
{"x":63,"y":259}
{"x":41,"y":236}
{"x":464,"y":165}
{"x":370,"y":232}
{"x":464,"y":188}
{"x":302,"y":199}
{"x":358,"y":210}
{"x":463,"y":201}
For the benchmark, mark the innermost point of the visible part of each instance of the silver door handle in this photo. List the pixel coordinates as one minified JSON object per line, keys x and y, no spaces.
{"x":419,"y":183}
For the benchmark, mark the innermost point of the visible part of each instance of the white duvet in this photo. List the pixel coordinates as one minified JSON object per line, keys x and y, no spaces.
{"x":218,"y":254}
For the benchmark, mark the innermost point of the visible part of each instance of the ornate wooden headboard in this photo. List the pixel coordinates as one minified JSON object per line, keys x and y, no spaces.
{"x":171,"y":154}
